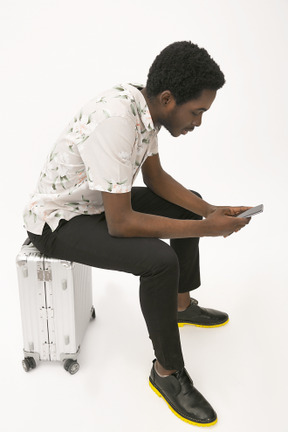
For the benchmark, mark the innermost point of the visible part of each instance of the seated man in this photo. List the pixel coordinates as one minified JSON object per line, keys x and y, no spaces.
{"x":85,"y":208}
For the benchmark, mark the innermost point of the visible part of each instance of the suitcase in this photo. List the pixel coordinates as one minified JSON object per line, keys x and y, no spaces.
{"x":56,"y":307}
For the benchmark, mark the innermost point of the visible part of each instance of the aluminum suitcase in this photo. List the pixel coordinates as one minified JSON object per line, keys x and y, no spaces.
{"x":56,"y":307}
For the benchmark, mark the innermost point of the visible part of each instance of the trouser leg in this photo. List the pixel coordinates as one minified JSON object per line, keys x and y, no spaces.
{"x":85,"y":239}
{"x":187,"y":250}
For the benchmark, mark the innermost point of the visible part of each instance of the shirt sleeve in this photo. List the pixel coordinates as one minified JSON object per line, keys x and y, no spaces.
{"x":107,"y":154}
{"x":153,"y":147}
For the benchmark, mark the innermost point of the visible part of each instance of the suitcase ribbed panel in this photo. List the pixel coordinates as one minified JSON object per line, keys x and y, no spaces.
{"x":83,"y":299}
{"x":69,"y":296}
{"x":32,"y":303}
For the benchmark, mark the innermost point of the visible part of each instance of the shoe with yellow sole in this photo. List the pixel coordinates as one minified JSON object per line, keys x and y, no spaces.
{"x":201,"y":317}
{"x":185,"y":401}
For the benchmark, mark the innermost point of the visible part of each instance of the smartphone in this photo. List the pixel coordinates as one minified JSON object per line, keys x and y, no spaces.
{"x":252,"y":212}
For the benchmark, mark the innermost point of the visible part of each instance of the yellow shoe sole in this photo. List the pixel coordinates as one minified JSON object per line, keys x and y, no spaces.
{"x":203,"y":326}
{"x":178,"y":415}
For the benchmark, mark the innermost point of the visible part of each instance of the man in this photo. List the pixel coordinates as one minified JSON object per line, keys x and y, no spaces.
{"x":85,"y":209}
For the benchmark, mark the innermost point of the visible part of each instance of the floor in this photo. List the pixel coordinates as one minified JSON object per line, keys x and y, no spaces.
{"x":241,"y":368}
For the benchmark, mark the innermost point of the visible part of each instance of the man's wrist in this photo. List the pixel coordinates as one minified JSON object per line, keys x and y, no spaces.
{"x":209,"y":209}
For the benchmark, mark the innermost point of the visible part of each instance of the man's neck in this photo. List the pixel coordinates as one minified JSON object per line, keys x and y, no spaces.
{"x":152,"y":108}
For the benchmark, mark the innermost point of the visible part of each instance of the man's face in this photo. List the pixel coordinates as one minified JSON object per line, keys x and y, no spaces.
{"x":181,"y":119}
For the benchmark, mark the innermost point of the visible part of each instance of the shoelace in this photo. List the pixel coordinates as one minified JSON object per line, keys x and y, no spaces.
{"x":185,"y":380}
{"x":194,"y":301}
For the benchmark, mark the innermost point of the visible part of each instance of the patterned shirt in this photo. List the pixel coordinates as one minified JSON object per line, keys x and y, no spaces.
{"x":102,"y":149}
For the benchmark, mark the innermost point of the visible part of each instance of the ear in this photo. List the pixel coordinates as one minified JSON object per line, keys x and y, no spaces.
{"x":166,"y":99}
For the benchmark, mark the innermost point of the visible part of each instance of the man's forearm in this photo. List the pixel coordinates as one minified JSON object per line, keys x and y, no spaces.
{"x":146,"y":225}
{"x":168,"y":188}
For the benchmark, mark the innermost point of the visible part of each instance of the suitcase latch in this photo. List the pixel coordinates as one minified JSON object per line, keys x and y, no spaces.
{"x":44,"y":275}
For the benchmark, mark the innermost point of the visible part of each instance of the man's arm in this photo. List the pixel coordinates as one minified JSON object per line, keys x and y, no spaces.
{"x":163,"y":185}
{"x":123,"y":221}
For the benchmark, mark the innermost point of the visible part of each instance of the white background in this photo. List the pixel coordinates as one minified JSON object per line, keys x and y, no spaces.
{"x":55,"y":56}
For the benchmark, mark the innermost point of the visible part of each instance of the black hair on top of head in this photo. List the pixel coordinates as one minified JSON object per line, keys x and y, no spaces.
{"x":185,"y":70}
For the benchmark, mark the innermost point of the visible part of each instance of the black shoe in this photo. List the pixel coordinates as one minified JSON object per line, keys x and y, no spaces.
{"x":182,"y":397}
{"x":201,"y":317}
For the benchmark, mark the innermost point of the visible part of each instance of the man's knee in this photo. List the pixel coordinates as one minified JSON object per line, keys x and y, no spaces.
{"x":164,"y":260}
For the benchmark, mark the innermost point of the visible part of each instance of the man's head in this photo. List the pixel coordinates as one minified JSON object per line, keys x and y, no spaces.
{"x":185,"y":70}
{"x":182,"y":84}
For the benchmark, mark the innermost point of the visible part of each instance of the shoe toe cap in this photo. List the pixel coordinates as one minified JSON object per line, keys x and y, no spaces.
{"x":204,"y":415}
{"x":197,"y":408}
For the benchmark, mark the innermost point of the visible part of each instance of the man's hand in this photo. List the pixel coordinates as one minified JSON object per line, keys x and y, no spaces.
{"x":234,"y":210}
{"x":222,"y":220}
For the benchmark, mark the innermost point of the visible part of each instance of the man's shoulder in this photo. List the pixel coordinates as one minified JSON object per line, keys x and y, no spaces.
{"x":118,"y":101}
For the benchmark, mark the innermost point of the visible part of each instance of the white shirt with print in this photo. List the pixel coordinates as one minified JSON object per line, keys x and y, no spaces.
{"x":102,"y":149}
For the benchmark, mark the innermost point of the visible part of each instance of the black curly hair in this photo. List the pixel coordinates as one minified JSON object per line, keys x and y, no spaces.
{"x":185,"y":70}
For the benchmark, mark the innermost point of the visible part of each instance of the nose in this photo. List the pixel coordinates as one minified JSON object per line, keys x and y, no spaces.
{"x":197,"y":122}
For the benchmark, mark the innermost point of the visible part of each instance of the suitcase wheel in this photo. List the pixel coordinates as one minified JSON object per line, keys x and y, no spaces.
{"x":71,"y":366}
{"x":28,"y":363}
{"x":93,"y":313}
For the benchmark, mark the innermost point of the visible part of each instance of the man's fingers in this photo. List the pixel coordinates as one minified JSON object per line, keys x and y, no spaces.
{"x":244,"y":220}
{"x":239,"y":210}
{"x":234,"y":211}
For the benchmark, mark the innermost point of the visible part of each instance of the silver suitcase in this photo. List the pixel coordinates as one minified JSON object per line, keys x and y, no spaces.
{"x":56,"y":307}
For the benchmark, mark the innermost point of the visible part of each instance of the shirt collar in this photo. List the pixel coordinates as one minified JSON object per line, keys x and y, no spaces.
{"x":142,"y":107}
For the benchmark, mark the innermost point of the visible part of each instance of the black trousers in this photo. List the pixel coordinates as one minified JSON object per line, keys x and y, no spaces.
{"x":164,"y":270}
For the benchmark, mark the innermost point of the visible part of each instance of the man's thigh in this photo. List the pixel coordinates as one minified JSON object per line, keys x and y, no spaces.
{"x":85,"y":239}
